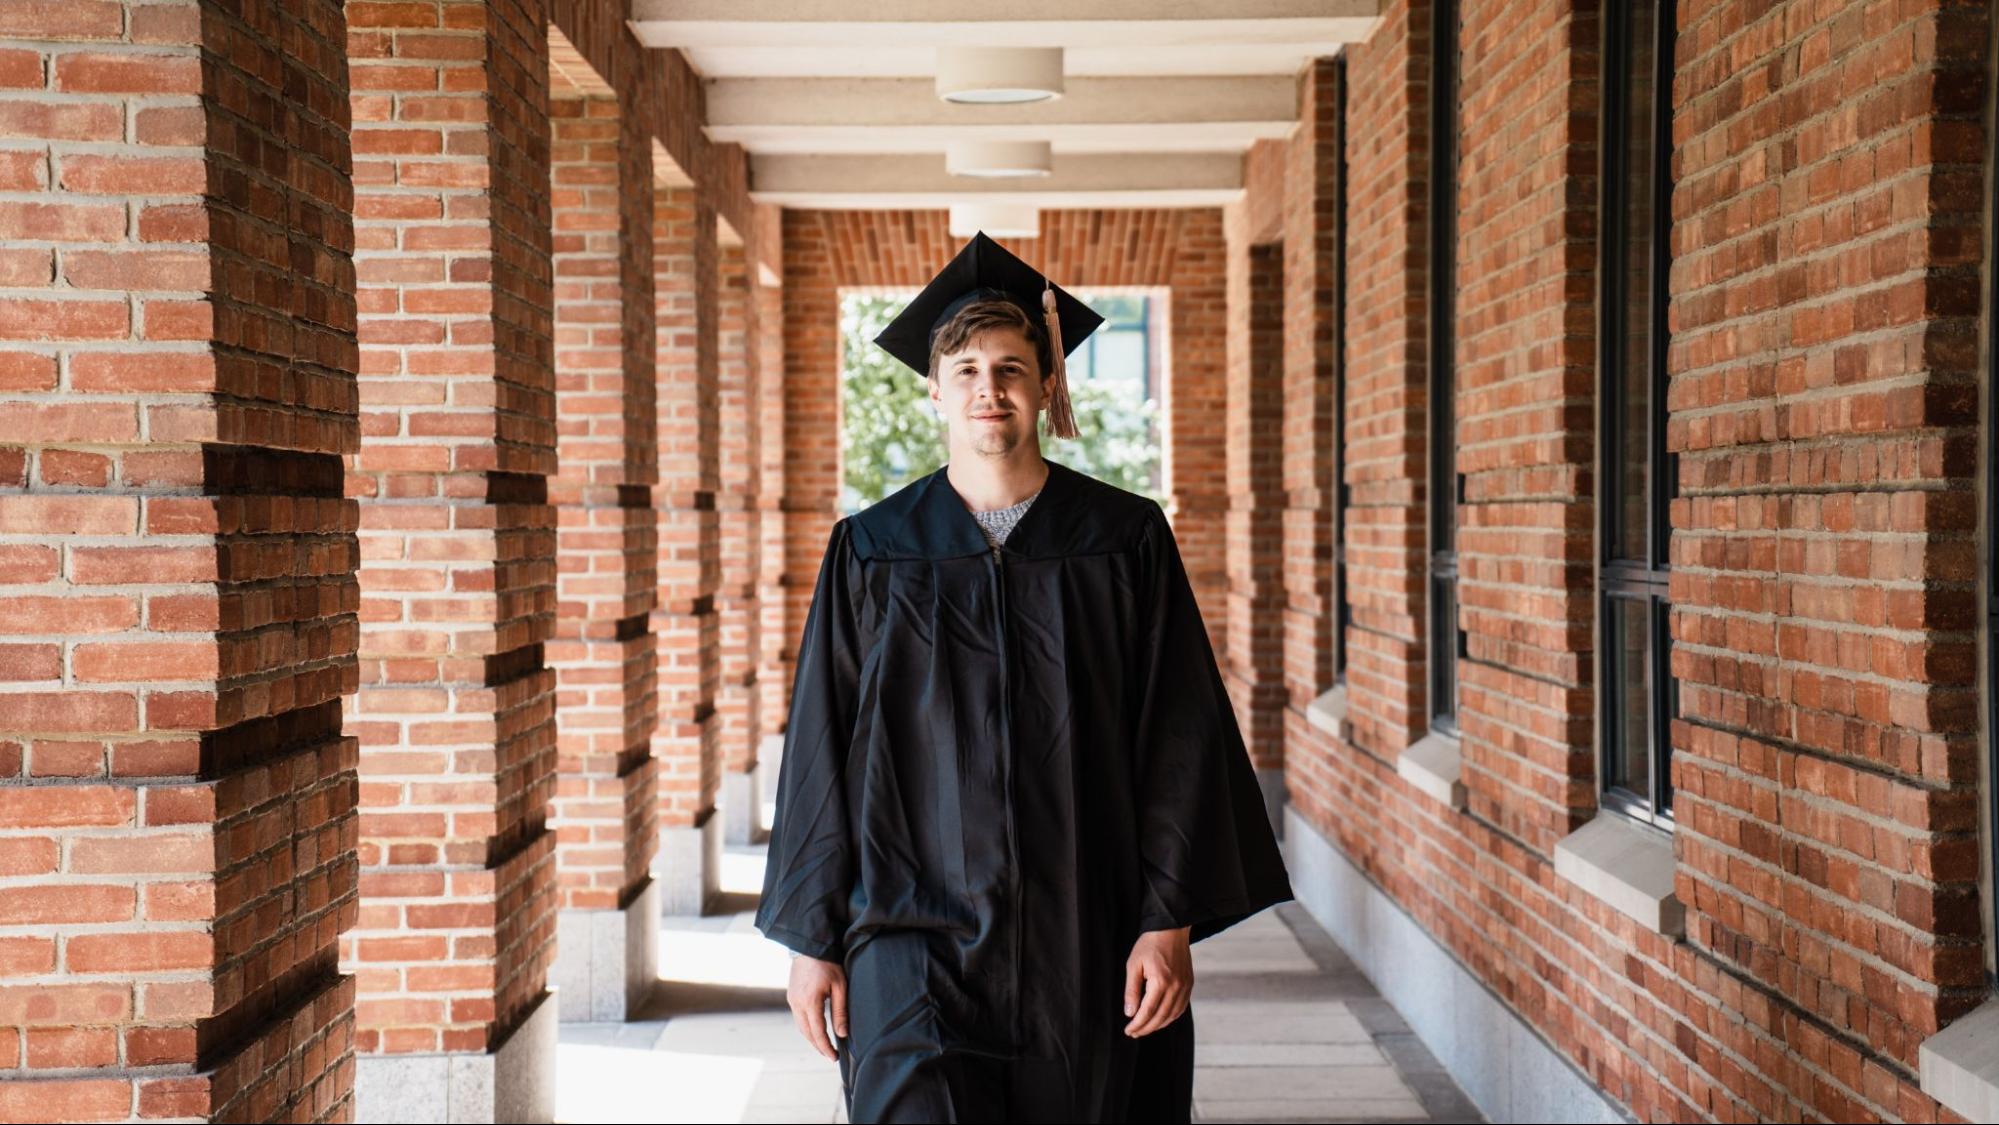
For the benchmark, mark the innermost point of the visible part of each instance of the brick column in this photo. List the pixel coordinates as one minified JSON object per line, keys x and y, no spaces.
{"x":456,"y":709}
{"x":1252,"y":665}
{"x":685,"y":622}
{"x":775,"y":634}
{"x":1526,"y":424}
{"x":737,"y":600}
{"x":810,"y":446}
{"x":177,"y":597}
{"x":605,"y":817}
{"x":1195,"y":460}
{"x":1386,"y":156}
{"x":1312,"y":381}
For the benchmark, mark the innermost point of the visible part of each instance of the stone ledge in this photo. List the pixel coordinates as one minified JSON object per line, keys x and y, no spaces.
{"x":1329,"y":711}
{"x":1960,"y":1064}
{"x":1431,"y":765}
{"x":1626,"y":864}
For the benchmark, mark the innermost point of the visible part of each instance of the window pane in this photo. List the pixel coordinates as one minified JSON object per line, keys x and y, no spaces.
{"x":1444,"y":651}
{"x":1635,"y":440}
{"x":1121,"y":357}
{"x":1629,"y":719}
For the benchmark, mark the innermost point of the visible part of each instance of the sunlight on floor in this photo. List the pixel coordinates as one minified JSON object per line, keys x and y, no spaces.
{"x":641,"y":1083}
{"x":722,"y":1048}
{"x":742,"y":871}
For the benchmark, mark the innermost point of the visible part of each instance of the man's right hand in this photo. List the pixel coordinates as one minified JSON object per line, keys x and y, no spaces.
{"x":813,"y":983}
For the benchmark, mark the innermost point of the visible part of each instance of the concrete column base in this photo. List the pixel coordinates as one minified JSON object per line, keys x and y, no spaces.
{"x":606,"y":961}
{"x":1275,"y":797}
{"x":515,"y":1081}
{"x":688,"y":867}
{"x":743,"y":804}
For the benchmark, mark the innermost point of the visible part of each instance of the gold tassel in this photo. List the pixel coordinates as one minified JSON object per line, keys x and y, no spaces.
{"x":1061,"y":419}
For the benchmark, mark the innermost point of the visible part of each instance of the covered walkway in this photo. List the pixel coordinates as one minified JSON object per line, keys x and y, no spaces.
{"x":1287,"y":1031}
{"x":421,"y":422}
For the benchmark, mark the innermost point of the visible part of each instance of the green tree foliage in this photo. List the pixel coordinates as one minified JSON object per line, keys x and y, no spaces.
{"x":891,"y":435}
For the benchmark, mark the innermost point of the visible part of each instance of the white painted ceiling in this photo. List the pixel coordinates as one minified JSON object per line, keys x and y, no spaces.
{"x":834,"y":99}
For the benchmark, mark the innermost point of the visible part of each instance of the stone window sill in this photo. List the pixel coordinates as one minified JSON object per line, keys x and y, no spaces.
{"x":1960,"y":1064}
{"x":1431,"y":764}
{"x":1329,"y":711}
{"x":1626,"y":864}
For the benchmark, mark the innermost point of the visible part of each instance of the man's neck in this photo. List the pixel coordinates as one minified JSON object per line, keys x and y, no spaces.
{"x":988,"y":483}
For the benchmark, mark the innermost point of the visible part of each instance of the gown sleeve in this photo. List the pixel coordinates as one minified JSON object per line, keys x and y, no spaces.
{"x":810,"y":869}
{"x":1206,"y":846}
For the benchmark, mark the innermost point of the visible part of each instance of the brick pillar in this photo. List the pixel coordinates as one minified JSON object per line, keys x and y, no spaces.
{"x":810,"y":443}
{"x":737,"y":601}
{"x":774,"y":629}
{"x":1196,"y":455}
{"x":605,"y":817}
{"x":177,"y":597}
{"x":688,"y":629}
{"x":456,"y":709}
{"x":1253,"y":663}
{"x":1312,"y":382}
{"x":1526,"y":426}
{"x":1385,"y":141}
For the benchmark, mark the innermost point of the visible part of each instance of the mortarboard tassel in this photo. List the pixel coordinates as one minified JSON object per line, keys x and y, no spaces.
{"x":1061,"y":420}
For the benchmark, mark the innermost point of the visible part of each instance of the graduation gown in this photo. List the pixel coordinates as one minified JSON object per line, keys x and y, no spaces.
{"x":1000,"y":768}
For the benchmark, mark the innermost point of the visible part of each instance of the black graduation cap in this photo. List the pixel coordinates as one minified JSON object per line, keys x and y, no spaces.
{"x":983,"y":268}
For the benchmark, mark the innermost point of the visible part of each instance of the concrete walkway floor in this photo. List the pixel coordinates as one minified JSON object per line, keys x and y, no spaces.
{"x":1287,"y":1030}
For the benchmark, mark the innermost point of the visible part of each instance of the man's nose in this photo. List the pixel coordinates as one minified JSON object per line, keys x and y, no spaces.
{"x":987,"y":387}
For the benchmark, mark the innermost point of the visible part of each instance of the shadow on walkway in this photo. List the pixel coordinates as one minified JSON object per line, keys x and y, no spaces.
{"x":1287,"y":1030}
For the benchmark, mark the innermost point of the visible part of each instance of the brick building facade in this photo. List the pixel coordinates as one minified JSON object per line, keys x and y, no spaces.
{"x":416,"y":445}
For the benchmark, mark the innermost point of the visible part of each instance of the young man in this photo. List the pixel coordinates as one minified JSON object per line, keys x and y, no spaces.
{"x":1013,"y":789}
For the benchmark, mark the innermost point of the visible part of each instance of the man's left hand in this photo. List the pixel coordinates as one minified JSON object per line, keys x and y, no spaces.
{"x":1161,"y":965}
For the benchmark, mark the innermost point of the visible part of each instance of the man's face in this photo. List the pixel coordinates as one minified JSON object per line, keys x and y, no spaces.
{"x":990,"y":392}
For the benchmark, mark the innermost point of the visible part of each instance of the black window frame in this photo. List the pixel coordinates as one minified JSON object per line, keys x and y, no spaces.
{"x":1342,"y":494}
{"x":1989,"y":880}
{"x":1445,"y":639}
{"x":1620,"y":579}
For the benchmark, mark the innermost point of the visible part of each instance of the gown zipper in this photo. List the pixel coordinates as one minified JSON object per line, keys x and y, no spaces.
{"x":1006,"y":747}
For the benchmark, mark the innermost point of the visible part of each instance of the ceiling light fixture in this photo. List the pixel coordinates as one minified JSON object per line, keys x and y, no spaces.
{"x":1000,"y":220}
{"x":999,"y":75}
{"x":998,"y":159}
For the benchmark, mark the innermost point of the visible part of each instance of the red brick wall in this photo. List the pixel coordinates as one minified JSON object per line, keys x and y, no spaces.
{"x":1182,"y":250}
{"x":177,"y":600}
{"x":1827,"y":237}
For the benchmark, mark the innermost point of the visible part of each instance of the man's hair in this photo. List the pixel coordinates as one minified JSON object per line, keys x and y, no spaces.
{"x":989,"y":312}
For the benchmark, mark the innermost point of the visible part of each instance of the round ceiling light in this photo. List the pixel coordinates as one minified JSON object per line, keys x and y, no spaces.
{"x":1000,"y":220}
{"x":998,"y":159}
{"x":999,"y":75}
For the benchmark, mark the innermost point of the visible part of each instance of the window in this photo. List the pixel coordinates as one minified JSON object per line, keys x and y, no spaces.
{"x":1120,"y":350}
{"x":1446,"y":640}
{"x":1636,"y":477}
{"x":1990,"y":813}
